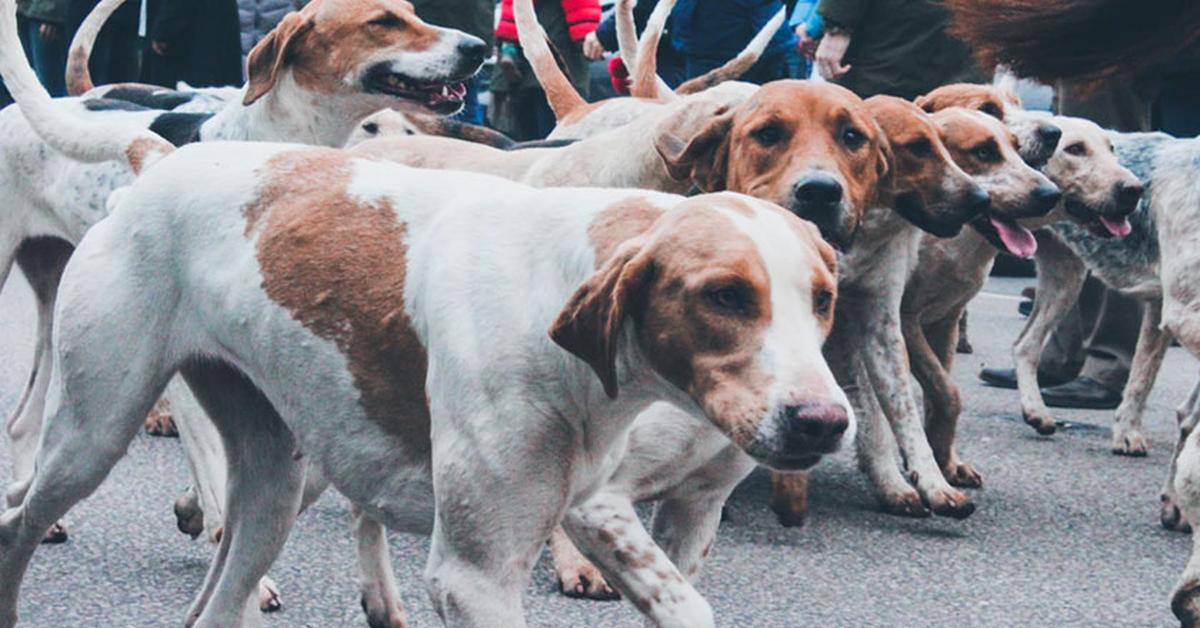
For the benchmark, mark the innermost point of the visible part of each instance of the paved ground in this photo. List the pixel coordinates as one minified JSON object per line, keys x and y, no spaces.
{"x":1066,"y":534}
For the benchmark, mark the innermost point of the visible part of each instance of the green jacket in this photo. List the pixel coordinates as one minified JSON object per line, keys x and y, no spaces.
{"x":53,"y":11}
{"x":899,"y":47}
{"x":474,"y":17}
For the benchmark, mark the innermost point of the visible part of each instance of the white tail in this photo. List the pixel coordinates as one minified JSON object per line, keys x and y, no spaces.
{"x":560,"y":93}
{"x":740,"y":64}
{"x":79,"y":77}
{"x":644,"y":69}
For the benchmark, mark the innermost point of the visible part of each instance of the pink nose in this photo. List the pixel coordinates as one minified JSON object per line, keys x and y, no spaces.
{"x":815,"y":427}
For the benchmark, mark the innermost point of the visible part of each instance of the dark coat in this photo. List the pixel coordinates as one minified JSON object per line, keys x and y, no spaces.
{"x":204,"y":46}
{"x":719,"y":29}
{"x":473,"y":17}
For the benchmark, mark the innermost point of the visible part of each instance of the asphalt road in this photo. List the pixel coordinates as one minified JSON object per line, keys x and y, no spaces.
{"x":1065,"y":534}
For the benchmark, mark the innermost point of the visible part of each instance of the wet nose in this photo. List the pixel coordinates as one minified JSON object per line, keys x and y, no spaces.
{"x":1128,"y":194}
{"x":472,"y":48}
{"x":1049,"y":134}
{"x":818,"y":189}
{"x":1046,"y":197}
{"x":816,"y":427}
{"x":978,"y":200}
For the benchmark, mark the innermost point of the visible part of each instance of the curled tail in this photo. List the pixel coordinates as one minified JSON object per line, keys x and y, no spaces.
{"x":79,"y":77}
{"x":644,"y":69}
{"x":560,"y":93}
{"x":738,"y":65}
{"x":69,"y":134}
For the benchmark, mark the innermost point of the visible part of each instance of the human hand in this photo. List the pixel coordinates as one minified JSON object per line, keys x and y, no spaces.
{"x":160,"y":48}
{"x":49,"y":32}
{"x":592,"y":48}
{"x":830,"y":53}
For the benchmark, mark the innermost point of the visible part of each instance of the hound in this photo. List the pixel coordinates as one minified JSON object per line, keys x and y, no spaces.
{"x":1098,"y":194}
{"x":596,"y":305}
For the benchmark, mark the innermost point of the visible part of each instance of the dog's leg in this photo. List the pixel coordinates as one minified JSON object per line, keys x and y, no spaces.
{"x":1187,"y":416}
{"x":577,"y":576}
{"x":1060,"y":279}
{"x":931,"y":351}
{"x":964,"y":343}
{"x":380,"y":594}
{"x":205,"y":456}
{"x":266,"y":480}
{"x":687,"y":528}
{"x":789,"y":497}
{"x":607,"y":530}
{"x":1185,"y":601}
{"x":42,"y":260}
{"x":1147,"y":358}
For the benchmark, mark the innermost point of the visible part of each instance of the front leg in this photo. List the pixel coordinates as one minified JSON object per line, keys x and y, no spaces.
{"x":1060,"y":279}
{"x":1188,"y":416}
{"x":686,"y":530}
{"x":607,"y":530}
{"x":931,"y":352}
{"x":1152,"y":345}
{"x":577,"y":576}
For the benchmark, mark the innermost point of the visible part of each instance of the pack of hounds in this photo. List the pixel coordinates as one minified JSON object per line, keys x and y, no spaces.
{"x":506,"y":345}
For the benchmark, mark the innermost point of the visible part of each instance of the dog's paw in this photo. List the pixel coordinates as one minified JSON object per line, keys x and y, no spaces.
{"x":1044,"y":424}
{"x":382,"y":611}
{"x":189,"y":518}
{"x":904,"y":504}
{"x":1128,"y":442}
{"x":1171,"y":516}
{"x":962,"y":475}
{"x":268,"y":596}
{"x":56,"y":534}
{"x":159,"y":421}
{"x":583,"y":580}
{"x":950,"y":503}
{"x":964,"y":346}
{"x":1185,"y":602}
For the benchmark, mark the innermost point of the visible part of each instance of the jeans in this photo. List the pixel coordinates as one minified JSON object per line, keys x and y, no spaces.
{"x":48,"y":57}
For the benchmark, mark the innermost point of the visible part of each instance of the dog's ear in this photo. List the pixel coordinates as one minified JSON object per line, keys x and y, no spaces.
{"x":589,"y":325}
{"x":694,"y":143}
{"x":268,"y":57}
{"x":886,"y":160}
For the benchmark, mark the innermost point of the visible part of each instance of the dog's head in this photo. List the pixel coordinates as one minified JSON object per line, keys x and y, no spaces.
{"x":812,"y":148}
{"x":376,"y":52}
{"x":987,"y":150}
{"x":993,"y":100}
{"x":727,"y":299}
{"x":926,"y":186}
{"x":1098,"y":192}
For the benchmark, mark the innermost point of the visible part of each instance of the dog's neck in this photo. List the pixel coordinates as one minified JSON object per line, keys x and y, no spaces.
{"x":287,"y":113}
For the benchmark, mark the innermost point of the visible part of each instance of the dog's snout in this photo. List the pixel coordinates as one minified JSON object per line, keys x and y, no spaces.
{"x":817,"y":426}
{"x":818,"y":189}
{"x":1049,"y":134}
{"x":1128,"y":194}
{"x":978,"y":199}
{"x":1046,"y":196}
{"x":472,"y":48}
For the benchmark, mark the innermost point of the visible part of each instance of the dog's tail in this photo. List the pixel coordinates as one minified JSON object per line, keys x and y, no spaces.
{"x":627,"y":39}
{"x":560,"y":93}
{"x":67,"y":133}
{"x":738,"y":65}
{"x":442,"y":126}
{"x":644,"y":67}
{"x":79,"y":77}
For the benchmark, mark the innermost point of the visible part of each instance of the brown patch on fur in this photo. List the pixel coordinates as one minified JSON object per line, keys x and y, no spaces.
{"x":989,"y":99}
{"x":79,"y":78}
{"x":789,"y":497}
{"x":141,"y":150}
{"x":620,"y":222}
{"x":338,"y":266}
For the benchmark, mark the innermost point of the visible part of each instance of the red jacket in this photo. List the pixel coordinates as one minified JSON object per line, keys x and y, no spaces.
{"x":582,"y":18}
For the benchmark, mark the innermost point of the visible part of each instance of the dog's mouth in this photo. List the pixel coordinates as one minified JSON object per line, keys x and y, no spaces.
{"x":440,"y":96}
{"x":911,"y":208}
{"x":1096,"y":222}
{"x":1006,"y":235}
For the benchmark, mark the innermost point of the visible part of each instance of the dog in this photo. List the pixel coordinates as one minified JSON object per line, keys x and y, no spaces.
{"x":1097,"y":193}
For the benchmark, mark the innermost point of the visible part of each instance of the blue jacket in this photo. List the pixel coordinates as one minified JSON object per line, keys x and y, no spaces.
{"x":721,"y":28}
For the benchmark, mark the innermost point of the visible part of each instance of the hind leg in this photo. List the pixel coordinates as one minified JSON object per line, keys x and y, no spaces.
{"x":1152,"y":345}
{"x":1185,"y":601}
{"x":266,"y":479}
{"x":1188,"y":415}
{"x":380,"y":594}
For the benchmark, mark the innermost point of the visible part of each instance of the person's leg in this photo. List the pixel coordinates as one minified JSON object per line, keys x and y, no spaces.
{"x":1112,"y":339}
{"x":49,"y":57}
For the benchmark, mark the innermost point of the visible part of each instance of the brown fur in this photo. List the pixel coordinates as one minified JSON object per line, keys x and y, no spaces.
{"x":989,"y":99}
{"x":338,"y":266}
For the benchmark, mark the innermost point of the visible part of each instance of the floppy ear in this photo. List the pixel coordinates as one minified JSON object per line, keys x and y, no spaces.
{"x":925,"y":103}
{"x":694,"y":142}
{"x":886,"y":159}
{"x":589,"y":325}
{"x":269,"y":55}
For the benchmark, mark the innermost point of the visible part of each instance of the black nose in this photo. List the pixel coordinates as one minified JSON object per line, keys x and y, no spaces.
{"x":1128,"y":195}
{"x":818,"y":189}
{"x":472,"y":48}
{"x":816,"y":427}
{"x":1046,"y":197}
{"x":1049,"y":135}
{"x":978,"y":199}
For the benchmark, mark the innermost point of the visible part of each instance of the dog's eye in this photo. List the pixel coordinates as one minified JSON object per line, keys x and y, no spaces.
{"x":986,"y":153}
{"x":730,"y":298}
{"x":823,"y":302}
{"x":853,"y":138}
{"x":371,"y":128}
{"x":769,"y":135}
{"x":921,"y":148}
{"x":1078,"y":149}
{"x":389,"y":20}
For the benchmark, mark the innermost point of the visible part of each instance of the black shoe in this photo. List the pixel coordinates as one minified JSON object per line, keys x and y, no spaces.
{"x":1007,"y":378}
{"x":1025,"y":307}
{"x":1081,"y":392}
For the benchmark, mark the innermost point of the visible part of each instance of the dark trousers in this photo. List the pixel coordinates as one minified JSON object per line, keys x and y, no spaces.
{"x":116,"y":56}
{"x":47,"y":56}
{"x":769,"y":68}
{"x":523,"y":115}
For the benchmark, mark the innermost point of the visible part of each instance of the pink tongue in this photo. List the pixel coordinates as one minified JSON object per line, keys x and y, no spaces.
{"x":1119,"y":229}
{"x":1017,"y":239}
